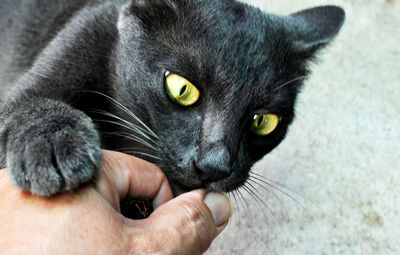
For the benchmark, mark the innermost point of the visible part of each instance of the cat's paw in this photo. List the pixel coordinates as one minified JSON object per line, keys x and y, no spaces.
{"x":54,"y":154}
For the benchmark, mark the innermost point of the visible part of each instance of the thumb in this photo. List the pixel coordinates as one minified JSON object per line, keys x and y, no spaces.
{"x":189,"y":223}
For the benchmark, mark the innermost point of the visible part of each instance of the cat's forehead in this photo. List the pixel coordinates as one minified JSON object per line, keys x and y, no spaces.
{"x":231,"y":41}
{"x":224,"y":44}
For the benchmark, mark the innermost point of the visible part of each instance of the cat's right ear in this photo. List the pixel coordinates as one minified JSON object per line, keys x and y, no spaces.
{"x":314,"y":28}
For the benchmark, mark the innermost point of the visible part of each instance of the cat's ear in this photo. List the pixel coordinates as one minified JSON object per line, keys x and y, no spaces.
{"x":314,"y":28}
{"x":153,"y":13}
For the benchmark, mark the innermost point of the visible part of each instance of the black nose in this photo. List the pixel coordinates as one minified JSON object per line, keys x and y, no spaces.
{"x":214,"y":165}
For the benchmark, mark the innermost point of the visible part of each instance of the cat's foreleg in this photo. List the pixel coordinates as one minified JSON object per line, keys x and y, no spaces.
{"x":47,"y":145}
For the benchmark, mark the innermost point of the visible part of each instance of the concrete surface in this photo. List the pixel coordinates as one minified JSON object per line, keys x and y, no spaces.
{"x":342,"y":154}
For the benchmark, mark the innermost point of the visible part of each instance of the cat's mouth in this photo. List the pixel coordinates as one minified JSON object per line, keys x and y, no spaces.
{"x":227,"y":184}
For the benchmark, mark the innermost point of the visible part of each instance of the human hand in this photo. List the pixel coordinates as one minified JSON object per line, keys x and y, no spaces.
{"x":88,"y":221}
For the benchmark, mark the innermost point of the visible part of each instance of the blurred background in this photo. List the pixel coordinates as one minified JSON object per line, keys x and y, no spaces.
{"x":333,"y":185}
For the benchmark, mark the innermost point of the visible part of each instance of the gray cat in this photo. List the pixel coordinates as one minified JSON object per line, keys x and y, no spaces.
{"x":202,"y":88}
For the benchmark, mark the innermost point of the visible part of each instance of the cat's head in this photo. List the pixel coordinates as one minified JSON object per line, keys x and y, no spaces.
{"x":215,"y":80}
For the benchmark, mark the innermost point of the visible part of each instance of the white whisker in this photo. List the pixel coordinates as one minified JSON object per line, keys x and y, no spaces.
{"x":126,"y":110}
{"x":134,"y":127}
{"x":259,"y":201}
{"x":285,"y":193}
{"x":143,"y":154}
{"x":289,"y":82}
{"x":116,"y":123}
{"x":277,"y":183}
{"x":273,"y":193}
{"x":131,"y":137}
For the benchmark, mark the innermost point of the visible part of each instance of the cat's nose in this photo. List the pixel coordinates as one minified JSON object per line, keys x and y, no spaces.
{"x":214,"y":165}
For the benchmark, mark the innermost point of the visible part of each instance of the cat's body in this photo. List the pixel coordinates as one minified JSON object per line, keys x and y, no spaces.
{"x":55,"y":56}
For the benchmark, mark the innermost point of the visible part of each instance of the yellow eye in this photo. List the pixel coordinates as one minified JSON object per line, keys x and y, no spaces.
{"x":180,"y":90}
{"x":264,"y":124}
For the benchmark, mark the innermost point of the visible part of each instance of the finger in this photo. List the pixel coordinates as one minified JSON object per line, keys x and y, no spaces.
{"x":186,"y":224}
{"x":122,"y":175}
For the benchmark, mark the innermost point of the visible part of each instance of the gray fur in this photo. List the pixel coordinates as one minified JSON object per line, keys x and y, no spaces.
{"x":60,"y":58}
{"x":52,"y":147}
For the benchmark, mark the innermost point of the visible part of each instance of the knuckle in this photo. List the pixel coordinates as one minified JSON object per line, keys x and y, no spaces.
{"x":199,"y":225}
{"x":189,"y":229}
{"x":152,"y":241}
{"x":159,"y":175}
{"x":191,"y":212}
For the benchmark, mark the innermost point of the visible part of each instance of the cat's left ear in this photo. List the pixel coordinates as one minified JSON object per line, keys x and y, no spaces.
{"x":155,"y":14}
{"x":314,"y":28}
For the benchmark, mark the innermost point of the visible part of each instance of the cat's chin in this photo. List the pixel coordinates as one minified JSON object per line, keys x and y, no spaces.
{"x":224,"y":185}
{"x":178,"y":190}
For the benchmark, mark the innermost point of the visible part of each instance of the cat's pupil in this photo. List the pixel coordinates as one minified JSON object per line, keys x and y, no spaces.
{"x":260,"y":120}
{"x":183,"y":89}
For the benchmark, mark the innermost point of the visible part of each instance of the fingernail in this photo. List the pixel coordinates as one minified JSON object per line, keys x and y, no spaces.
{"x":220,"y":207}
